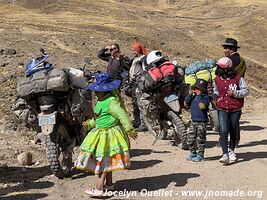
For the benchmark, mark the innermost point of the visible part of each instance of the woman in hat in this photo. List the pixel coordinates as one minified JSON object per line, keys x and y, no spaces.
{"x":229,"y":90}
{"x":106,"y":147}
{"x":198,"y":102}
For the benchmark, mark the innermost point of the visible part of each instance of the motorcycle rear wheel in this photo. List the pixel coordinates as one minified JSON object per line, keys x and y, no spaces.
{"x":60,"y":163}
{"x":179,"y":127}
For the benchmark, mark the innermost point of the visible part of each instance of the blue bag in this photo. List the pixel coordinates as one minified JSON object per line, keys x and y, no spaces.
{"x":199,"y":65}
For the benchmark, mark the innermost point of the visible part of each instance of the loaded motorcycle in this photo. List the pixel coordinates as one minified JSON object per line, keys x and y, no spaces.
{"x":53,"y":102}
{"x":162,"y":109}
{"x":163,"y":116}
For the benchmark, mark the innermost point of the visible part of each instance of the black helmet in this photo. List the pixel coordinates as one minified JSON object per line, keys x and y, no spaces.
{"x":200,"y":84}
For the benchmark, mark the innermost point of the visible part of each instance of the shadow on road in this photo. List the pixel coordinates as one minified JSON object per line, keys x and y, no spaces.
{"x":254,"y":143}
{"x":76,"y":174}
{"x":140,"y":152}
{"x":143,"y":164}
{"x":154,"y":182}
{"x":211,"y":132}
{"x":244,"y":122}
{"x":25,"y":187}
{"x":211,"y":144}
{"x":243,"y":157}
{"x":251,"y":128}
{"x":25,"y":196}
{"x":22,"y":174}
{"x":23,"y":181}
{"x":248,"y":156}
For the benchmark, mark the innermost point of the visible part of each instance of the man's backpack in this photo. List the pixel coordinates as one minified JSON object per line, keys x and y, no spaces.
{"x":241,"y":67}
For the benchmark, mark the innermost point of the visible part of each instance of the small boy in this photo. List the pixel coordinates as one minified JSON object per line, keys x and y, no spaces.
{"x":198,"y":102}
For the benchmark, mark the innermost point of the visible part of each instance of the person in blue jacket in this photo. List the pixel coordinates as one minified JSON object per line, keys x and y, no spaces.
{"x":198,"y":102}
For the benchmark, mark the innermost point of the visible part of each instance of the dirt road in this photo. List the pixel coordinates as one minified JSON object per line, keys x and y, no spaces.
{"x":160,"y":169}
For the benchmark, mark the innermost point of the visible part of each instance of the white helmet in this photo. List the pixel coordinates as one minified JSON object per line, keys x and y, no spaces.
{"x":153,"y":57}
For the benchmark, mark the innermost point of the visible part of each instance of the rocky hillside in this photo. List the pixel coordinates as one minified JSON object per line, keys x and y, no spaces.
{"x":71,"y":30}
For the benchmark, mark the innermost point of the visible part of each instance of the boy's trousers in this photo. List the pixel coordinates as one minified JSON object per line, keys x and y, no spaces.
{"x":196,"y":137}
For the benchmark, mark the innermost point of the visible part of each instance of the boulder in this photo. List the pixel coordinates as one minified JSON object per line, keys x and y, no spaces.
{"x":25,"y":158}
{"x":8,"y":51}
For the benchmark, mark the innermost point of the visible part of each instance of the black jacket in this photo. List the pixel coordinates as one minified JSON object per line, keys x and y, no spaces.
{"x":116,"y":65}
{"x":235,"y":57}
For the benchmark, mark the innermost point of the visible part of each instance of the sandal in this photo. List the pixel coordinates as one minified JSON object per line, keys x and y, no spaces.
{"x":94,"y":192}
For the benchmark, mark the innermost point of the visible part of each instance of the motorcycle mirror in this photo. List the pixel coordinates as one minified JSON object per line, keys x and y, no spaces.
{"x":42,"y":51}
{"x":87,"y":61}
{"x":174,"y":62}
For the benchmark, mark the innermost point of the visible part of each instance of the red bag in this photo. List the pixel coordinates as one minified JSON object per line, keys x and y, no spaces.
{"x":165,"y":69}
{"x":152,"y":79}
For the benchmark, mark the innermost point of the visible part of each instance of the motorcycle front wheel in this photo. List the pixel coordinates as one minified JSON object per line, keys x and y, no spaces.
{"x":214,"y":120}
{"x":60,"y":161}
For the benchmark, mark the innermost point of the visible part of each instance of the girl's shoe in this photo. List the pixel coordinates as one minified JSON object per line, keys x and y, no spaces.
{"x":94,"y":192}
{"x":224,"y":159}
{"x":232,"y":157}
{"x":198,"y":158}
{"x":191,"y":156}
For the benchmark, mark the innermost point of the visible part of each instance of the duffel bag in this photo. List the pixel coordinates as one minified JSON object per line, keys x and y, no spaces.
{"x":77,"y":78}
{"x":58,"y":80}
{"x":34,"y":84}
{"x":206,"y":74}
{"x":23,"y":112}
{"x":199,"y":65}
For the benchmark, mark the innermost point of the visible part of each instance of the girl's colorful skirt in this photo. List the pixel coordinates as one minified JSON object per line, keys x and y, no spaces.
{"x":104,"y":150}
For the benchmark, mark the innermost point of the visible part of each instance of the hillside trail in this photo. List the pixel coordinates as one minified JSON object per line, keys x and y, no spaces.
{"x":161,"y":168}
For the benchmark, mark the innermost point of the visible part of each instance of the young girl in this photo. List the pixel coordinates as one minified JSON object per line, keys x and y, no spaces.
{"x":230,"y":90}
{"x":106,"y":147}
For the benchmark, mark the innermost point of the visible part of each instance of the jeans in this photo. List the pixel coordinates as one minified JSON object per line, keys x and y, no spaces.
{"x":137,"y":108}
{"x":136,"y":111}
{"x":238,"y":135}
{"x":229,"y":122}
